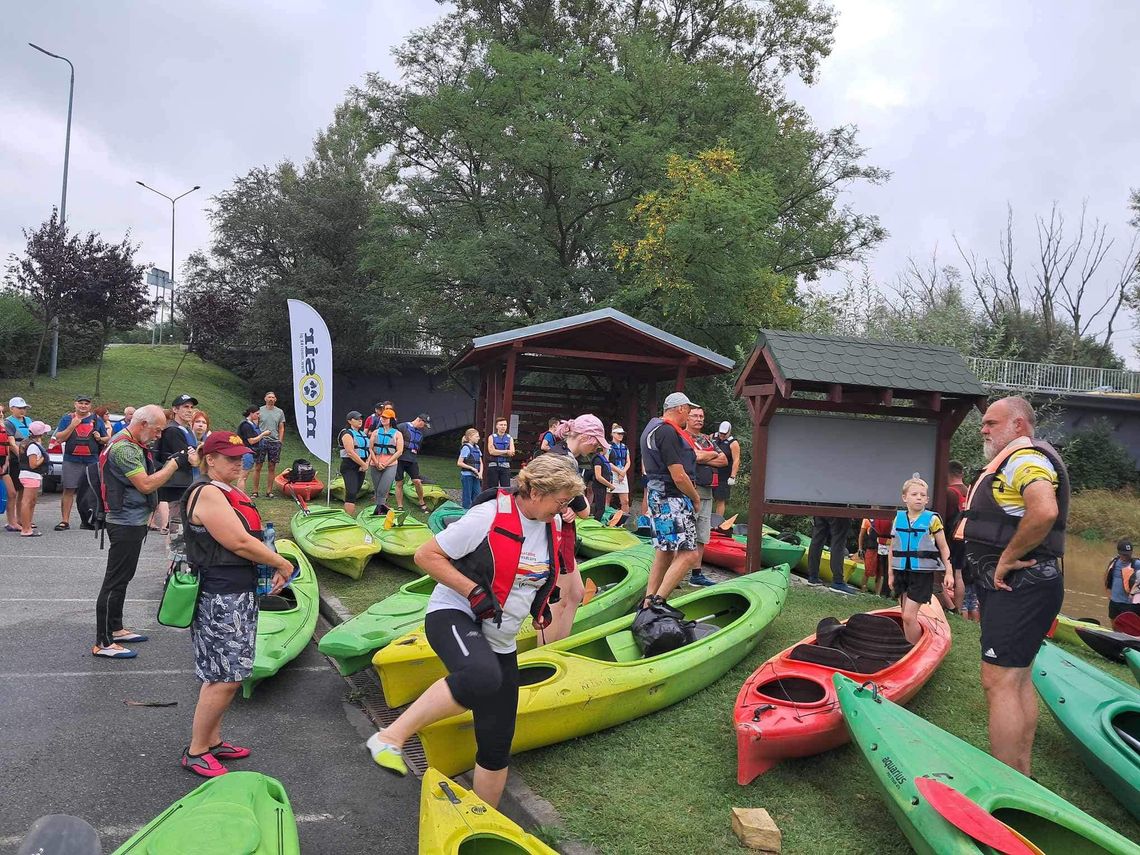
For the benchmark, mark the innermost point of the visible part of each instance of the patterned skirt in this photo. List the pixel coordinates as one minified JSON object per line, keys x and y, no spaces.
{"x":223,"y":633}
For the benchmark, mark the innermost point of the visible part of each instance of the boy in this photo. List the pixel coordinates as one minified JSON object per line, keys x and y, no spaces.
{"x":918,"y":551}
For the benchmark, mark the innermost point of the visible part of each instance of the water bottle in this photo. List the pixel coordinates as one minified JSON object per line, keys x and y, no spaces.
{"x":264,"y":572}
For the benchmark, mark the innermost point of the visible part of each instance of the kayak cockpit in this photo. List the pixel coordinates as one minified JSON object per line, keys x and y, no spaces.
{"x":283,"y":601}
{"x":1125,"y":726}
{"x":605,"y":574}
{"x":801,"y":691}
{"x":1047,"y":835}
{"x":490,"y":844}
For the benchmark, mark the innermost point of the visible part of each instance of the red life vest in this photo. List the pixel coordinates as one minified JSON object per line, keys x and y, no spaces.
{"x":82,"y":442}
{"x":202,"y":550}
{"x":3,"y":440}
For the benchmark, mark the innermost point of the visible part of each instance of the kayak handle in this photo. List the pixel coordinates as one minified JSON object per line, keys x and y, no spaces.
{"x":761,"y":709}
{"x":874,"y":690}
{"x":447,"y":791}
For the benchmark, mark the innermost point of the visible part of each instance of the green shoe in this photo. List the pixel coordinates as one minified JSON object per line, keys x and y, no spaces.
{"x":387,"y":756}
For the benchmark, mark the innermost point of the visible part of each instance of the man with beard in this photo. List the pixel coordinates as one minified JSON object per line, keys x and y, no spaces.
{"x":1014,"y":528}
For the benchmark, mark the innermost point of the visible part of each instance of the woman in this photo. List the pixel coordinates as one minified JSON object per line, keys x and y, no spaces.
{"x":251,"y":433}
{"x":500,"y":450}
{"x":224,"y":545}
{"x":200,"y":427}
{"x":484,"y":594}
{"x":33,"y":465}
{"x":470,"y":465}
{"x":619,"y":463}
{"x":9,"y":451}
{"x":387,"y":445}
{"x":354,"y":453}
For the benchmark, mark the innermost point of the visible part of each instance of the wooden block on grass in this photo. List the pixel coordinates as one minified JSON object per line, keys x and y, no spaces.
{"x":756,"y":830}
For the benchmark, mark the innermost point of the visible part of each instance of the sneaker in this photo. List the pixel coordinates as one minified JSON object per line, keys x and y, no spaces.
{"x":205,"y":765}
{"x":387,"y":756}
{"x":814,"y":580}
{"x":228,"y":751}
{"x":700,"y":580}
{"x":843,"y":588}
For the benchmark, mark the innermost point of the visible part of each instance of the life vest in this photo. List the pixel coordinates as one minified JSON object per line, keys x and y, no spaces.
{"x":474,"y":458}
{"x":202,"y":550}
{"x":725,"y":446}
{"x":501,"y":443}
{"x":385,"y":442}
{"x":707,"y":476}
{"x":600,"y":459}
{"x":82,"y":442}
{"x":359,"y":442}
{"x":415,"y":437}
{"x":984,"y":521}
{"x":25,"y":465}
{"x":494,"y":563}
{"x":1119,"y":578}
{"x":619,"y":454}
{"x":882,"y":530}
{"x":913,"y":547}
{"x":651,"y":459}
{"x":113,"y":489}
{"x":4,"y":437}
{"x":21,"y":427}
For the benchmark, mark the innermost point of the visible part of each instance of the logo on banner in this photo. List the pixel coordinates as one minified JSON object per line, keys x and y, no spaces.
{"x":310,"y":386}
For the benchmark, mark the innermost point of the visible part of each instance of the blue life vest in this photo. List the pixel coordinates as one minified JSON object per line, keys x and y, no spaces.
{"x":359,"y":441}
{"x":385,"y":441}
{"x":501,"y":443}
{"x":474,"y":458}
{"x":415,"y":437}
{"x":619,"y":454}
{"x":20,"y":426}
{"x":913,"y":548}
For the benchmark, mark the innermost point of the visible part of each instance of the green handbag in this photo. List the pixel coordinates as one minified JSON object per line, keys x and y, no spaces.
{"x":179,"y":597}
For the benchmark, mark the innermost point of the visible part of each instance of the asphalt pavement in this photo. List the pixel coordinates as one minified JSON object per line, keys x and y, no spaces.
{"x":72,"y":745}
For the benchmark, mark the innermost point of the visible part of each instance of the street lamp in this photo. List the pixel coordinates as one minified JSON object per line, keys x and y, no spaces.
{"x":171,"y":201}
{"x":63,"y":199}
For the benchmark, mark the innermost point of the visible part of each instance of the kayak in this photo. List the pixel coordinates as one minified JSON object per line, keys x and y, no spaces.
{"x":336,"y":489}
{"x":774,"y":550}
{"x":239,"y":813}
{"x":1127,"y":622}
{"x":1132,"y":659}
{"x":1110,"y":645}
{"x":455,"y":821}
{"x":598,"y":679}
{"x":788,"y":707}
{"x":595,"y":539}
{"x":1065,"y":629}
{"x":400,"y":542}
{"x":286,"y":621}
{"x":332,"y":538}
{"x":445,"y":515}
{"x":899,"y":747}
{"x":727,"y":551}
{"x":853,"y":571}
{"x":408,"y":665}
{"x":302,"y":489}
{"x":434,"y":495}
{"x":351,"y":644}
{"x":1100,"y":715}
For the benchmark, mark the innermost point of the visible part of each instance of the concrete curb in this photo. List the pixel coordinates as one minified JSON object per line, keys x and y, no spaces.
{"x":520,"y":802}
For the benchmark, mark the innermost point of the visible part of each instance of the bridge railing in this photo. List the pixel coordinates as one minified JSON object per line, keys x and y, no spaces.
{"x":1043,"y":377}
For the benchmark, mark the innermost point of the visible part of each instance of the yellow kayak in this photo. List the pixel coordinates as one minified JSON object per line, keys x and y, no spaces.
{"x":333,"y":539}
{"x":408,"y":665}
{"x":1066,"y":628}
{"x":455,"y":821}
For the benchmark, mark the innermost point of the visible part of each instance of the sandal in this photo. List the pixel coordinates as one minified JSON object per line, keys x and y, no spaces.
{"x":423,"y":507}
{"x":270,"y":496}
{"x":33,"y":534}
{"x":11,"y":527}
{"x":113,"y":651}
{"x":254,"y":495}
{"x":62,"y":526}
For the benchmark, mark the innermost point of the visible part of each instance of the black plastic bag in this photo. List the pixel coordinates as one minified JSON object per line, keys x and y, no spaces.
{"x":659,"y":628}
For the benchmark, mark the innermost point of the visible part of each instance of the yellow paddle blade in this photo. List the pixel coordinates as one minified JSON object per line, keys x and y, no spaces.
{"x":389,"y":519}
{"x":591,"y":589}
{"x":728,"y":523}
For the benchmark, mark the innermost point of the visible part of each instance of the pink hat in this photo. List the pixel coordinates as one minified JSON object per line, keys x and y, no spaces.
{"x":38,"y":429}
{"x":590,"y":425}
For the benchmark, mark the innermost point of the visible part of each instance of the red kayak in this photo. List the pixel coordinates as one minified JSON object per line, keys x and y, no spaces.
{"x":1128,"y":623}
{"x":304,"y":489}
{"x":725,"y":551}
{"x":788,"y":707}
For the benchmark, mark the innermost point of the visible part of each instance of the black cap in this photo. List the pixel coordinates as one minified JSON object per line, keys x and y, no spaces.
{"x":86,"y":398}
{"x":425,"y":418}
{"x":184,"y":399}
{"x":1124,"y":545}
{"x":354,"y":414}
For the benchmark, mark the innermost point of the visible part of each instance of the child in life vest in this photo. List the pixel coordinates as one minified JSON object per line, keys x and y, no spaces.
{"x":470,"y":465}
{"x":918,"y":551}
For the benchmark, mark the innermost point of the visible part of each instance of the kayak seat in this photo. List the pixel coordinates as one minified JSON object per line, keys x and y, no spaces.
{"x":828,"y":657}
{"x":701,"y":630}
{"x":623,"y":646}
{"x":866,"y":644}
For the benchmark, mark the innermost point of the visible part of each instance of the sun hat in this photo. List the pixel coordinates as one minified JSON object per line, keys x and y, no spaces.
{"x":591,"y":426}
{"x":226,"y":443}
{"x":38,"y":428}
{"x":677,"y":399}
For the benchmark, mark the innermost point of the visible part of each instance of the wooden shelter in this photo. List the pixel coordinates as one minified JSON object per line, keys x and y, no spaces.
{"x":819,"y":374}
{"x":596,"y":362}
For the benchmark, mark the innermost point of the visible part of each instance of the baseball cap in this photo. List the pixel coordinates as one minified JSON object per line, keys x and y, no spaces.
{"x":38,"y":428}
{"x":226,"y":443}
{"x":389,"y":413}
{"x":677,"y":399}
{"x":17,"y":402}
{"x":426,"y":418}
{"x":86,"y":398}
{"x":184,"y":399}
{"x":1124,"y":545}
{"x":725,"y":427}
{"x":354,"y":414}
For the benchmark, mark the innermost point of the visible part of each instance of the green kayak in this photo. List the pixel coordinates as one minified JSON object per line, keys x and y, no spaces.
{"x":239,"y":813}
{"x":286,"y":621}
{"x":774,"y":551}
{"x":400,"y":542}
{"x":1101,"y":716}
{"x":595,"y":539}
{"x":1132,"y":657}
{"x":336,"y":489}
{"x":332,"y":538}
{"x":352,"y":644}
{"x":899,"y":746}
{"x":445,"y":515}
{"x":434,"y":495}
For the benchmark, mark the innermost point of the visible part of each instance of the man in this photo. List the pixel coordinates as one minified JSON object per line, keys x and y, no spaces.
{"x":729,"y":445}
{"x":1014,"y":529}
{"x":832,"y":531}
{"x":1121,"y":580}
{"x":670,"y":463}
{"x":409,"y":462}
{"x":271,"y":419}
{"x":124,"y":422}
{"x":709,"y":461}
{"x":83,"y":435}
{"x":173,"y":443}
{"x":129,"y":483}
{"x":956,"y":492}
{"x":373,"y":420}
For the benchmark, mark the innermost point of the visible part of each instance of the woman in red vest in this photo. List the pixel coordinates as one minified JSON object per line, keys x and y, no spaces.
{"x":496,"y":567}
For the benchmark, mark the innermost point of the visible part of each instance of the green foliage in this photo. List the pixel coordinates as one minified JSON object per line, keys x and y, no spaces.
{"x":18,"y":334}
{"x":1097,"y":460}
{"x":1107,"y":515}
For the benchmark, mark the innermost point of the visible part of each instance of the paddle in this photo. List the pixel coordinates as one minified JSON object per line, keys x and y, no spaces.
{"x":726,"y":526}
{"x":1129,"y":740}
{"x":300,"y":503}
{"x":968,"y":816}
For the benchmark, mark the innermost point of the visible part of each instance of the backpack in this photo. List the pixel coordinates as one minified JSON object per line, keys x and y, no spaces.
{"x":89,"y":503}
{"x":301,"y":472}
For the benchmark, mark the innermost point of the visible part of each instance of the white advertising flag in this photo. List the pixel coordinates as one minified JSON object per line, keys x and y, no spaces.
{"x":312,"y":378}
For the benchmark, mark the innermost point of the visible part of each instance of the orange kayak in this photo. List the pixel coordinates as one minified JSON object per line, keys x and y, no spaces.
{"x":303,"y":489}
{"x":789,"y":707}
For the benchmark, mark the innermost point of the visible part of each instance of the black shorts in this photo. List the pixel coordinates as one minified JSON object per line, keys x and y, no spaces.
{"x":918,"y":587}
{"x":958,"y":555}
{"x":411,"y":468}
{"x":721,"y":491}
{"x":1014,"y":623}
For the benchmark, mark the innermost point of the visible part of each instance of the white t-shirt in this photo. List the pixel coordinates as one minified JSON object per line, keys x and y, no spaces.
{"x":463,"y":537}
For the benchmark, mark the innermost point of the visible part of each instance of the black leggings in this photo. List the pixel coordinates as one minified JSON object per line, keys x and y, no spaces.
{"x":485,"y":682}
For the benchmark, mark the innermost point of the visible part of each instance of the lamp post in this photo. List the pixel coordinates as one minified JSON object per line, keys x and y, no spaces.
{"x":63,"y":199}
{"x":171,"y":200}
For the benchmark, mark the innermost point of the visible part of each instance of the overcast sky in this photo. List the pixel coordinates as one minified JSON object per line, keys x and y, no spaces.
{"x":970,"y":104}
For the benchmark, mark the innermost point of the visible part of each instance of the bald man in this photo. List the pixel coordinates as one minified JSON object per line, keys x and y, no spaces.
{"x":1014,"y":529}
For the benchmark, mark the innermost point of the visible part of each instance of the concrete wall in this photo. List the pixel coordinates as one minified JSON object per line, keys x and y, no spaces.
{"x":1077,"y":412}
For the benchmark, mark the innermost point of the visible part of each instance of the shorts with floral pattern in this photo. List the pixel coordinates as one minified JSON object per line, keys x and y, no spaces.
{"x":674,"y":522}
{"x":267,"y":450}
{"x":223,"y":632}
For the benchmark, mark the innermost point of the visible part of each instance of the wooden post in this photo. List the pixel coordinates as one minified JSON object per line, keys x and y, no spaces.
{"x":940,"y":481}
{"x":756,"y":487}
{"x":632,"y":432}
{"x":481,"y":398}
{"x":682,"y":374}
{"x":509,"y":384}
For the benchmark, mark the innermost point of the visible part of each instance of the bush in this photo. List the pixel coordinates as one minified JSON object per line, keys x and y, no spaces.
{"x":1104,"y":514}
{"x":19,"y":335}
{"x":1096,"y":459}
